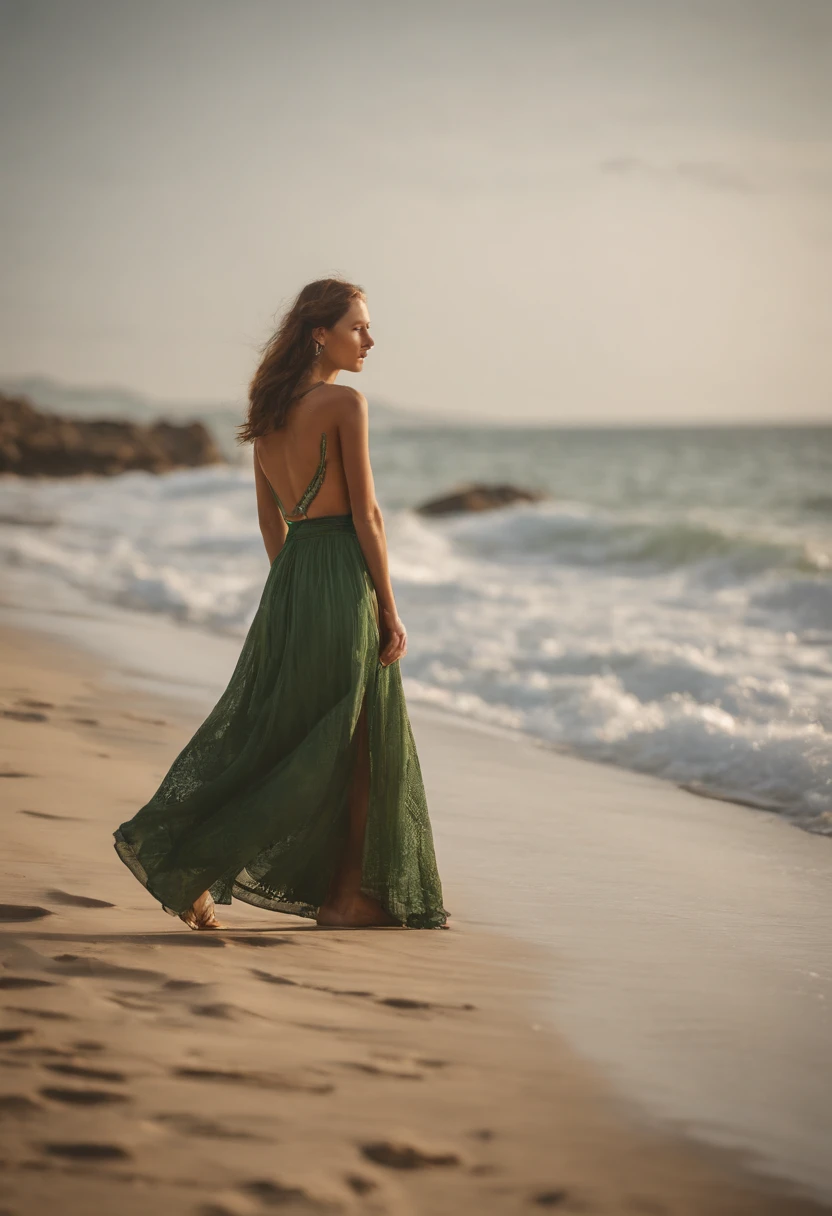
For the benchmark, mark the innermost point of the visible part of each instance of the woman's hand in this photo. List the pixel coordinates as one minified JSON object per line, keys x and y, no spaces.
{"x":393,"y":637}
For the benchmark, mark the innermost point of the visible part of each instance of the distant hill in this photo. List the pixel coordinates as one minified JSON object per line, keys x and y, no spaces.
{"x":114,"y":401}
{"x":87,"y":402}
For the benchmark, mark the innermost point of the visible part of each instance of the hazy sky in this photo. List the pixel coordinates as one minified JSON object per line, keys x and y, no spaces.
{"x":571,"y":211}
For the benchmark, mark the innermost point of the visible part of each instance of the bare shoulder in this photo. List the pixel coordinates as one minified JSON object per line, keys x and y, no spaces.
{"x":345,"y":396}
{"x":349,"y":407}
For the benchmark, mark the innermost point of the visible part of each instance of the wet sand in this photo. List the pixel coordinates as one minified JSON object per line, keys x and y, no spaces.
{"x":148,"y":1068}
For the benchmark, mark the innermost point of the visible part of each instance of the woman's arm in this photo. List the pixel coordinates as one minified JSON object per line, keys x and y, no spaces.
{"x":353,"y":428}
{"x":273,"y":526}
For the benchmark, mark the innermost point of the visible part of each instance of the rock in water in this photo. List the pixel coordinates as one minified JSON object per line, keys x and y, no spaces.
{"x":35,"y":443}
{"x":479,"y":496}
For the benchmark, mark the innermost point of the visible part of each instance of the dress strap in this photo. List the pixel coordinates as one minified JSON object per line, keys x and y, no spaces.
{"x":309,"y":390}
{"x":316,"y":482}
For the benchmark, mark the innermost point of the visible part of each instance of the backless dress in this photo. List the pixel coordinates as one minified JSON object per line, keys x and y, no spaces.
{"x":255,"y":806}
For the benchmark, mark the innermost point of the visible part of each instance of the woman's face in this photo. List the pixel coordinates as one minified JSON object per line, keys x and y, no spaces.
{"x":348,"y":342}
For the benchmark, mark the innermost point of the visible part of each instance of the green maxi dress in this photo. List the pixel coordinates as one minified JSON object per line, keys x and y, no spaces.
{"x":255,"y":805}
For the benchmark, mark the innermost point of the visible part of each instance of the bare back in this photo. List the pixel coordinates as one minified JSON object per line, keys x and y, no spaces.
{"x":303,"y":461}
{"x":322,"y":454}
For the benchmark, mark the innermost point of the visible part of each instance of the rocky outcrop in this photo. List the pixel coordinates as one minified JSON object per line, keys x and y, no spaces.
{"x":478,"y":496}
{"x":35,"y":443}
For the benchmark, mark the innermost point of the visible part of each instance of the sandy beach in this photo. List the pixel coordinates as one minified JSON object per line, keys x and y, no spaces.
{"x":517,"y":312}
{"x":150,"y":1068}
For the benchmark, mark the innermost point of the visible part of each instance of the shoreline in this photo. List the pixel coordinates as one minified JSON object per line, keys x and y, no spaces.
{"x":85,"y":626}
{"x":317,"y":1066}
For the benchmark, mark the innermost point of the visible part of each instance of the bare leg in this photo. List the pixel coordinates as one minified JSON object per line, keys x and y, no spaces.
{"x":345,"y":903}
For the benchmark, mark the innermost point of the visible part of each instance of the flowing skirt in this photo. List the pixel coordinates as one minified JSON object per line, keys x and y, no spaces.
{"x":255,"y":806}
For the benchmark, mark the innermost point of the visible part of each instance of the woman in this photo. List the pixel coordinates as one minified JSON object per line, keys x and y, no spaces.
{"x":301,"y":792}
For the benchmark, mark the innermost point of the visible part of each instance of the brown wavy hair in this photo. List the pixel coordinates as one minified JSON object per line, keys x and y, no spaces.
{"x":289,"y":355}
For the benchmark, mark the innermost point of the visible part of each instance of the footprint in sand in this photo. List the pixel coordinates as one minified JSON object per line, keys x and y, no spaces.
{"x":323,"y":1027}
{"x":14,"y":1034}
{"x":88,"y":1074}
{"x":85,"y":1150}
{"x":388,"y":1064}
{"x":96,"y":968}
{"x":359,"y":992}
{"x":402,"y":1072}
{"x":44,"y":1053}
{"x":360,"y":1184}
{"x":10,"y":982}
{"x":44,"y":814}
{"x":82,"y":1097}
{"x":24,"y":715}
{"x":268,"y":978}
{"x":129,"y":1000}
{"x":403,"y":1002}
{"x":33,"y":703}
{"x":53,"y":1015}
{"x":225,"y":1011}
{"x":275,"y":1194}
{"x":188,"y":1124}
{"x":76,"y":901}
{"x":19,"y":912}
{"x":219,"y":1009}
{"x":259,"y":1080}
{"x":557,"y":1198}
{"x":399,"y":1155}
{"x":393,"y":1002}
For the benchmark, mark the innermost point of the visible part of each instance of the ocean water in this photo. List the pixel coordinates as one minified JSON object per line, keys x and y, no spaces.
{"x":668,"y":608}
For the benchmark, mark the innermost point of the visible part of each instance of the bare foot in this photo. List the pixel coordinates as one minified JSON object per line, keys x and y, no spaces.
{"x":201,"y":915}
{"x":356,"y":912}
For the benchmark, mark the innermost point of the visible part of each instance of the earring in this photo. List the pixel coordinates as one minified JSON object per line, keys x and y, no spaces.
{"x":318,"y":349}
